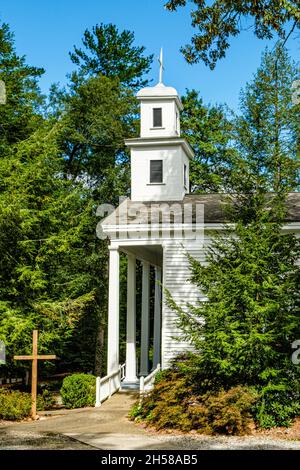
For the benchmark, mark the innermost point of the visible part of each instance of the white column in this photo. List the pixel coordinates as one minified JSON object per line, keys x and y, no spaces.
{"x":145,"y":319}
{"x":113,"y":311}
{"x":157,"y":318}
{"x":131,"y":321}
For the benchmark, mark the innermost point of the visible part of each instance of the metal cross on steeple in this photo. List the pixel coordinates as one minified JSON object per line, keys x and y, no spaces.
{"x":161,"y":68}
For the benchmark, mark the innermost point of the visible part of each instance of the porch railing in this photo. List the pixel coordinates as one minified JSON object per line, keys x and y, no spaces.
{"x":146,"y":383}
{"x":108,"y":385}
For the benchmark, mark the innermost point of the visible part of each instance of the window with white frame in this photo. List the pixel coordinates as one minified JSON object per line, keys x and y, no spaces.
{"x":156,"y":171}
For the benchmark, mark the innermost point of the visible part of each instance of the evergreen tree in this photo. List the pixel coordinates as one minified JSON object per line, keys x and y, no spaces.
{"x":268,"y":131}
{"x":98,"y":115}
{"x":209,"y":132}
{"x":112,"y":53}
{"x":20,"y":115}
{"x":244,"y":331}
{"x":47,"y":230}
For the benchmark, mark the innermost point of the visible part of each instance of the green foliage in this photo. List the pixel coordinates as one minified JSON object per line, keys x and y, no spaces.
{"x":277,"y":406}
{"x":15,"y":405}
{"x":244,"y":331}
{"x":20,"y":116}
{"x":219,"y":21}
{"x":267,"y":132}
{"x":96,"y":118}
{"x":252,"y":313}
{"x":209,"y":132}
{"x":111,"y":53}
{"x":46,"y":230}
{"x":78,"y":391}
{"x":55,"y":171}
{"x":46,"y":400}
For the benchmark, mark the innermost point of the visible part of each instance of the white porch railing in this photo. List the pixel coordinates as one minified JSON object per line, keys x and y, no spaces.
{"x":108,"y":385}
{"x":146,"y":383}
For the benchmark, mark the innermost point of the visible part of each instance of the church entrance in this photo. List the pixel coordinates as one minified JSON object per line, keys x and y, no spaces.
{"x":137,"y":307}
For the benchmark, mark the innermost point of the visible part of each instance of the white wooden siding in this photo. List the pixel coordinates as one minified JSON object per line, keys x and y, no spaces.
{"x":176,"y":274}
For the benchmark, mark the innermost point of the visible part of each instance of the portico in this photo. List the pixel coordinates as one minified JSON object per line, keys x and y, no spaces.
{"x":150,"y":257}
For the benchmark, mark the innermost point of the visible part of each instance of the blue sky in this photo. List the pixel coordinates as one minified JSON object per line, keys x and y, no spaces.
{"x":45,"y":31}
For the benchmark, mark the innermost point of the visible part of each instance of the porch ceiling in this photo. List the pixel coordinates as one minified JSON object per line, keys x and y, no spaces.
{"x":153,"y":254}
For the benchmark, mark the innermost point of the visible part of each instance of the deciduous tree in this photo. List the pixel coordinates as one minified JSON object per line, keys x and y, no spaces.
{"x":218,"y":21}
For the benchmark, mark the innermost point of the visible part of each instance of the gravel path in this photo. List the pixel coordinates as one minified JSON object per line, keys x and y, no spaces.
{"x":230,"y":443}
{"x":11,"y":439}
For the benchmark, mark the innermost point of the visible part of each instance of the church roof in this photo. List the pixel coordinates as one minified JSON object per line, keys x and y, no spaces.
{"x":214,"y":205}
{"x":159,"y":91}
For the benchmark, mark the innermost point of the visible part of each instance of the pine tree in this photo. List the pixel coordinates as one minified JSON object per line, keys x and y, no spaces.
{"x":47,"y":230}
{"x":268,"y":130}
{"x":243,"y":332}
{"x":209,"y":132}
{"x":110,"y":53}
{"x":20,"y":115}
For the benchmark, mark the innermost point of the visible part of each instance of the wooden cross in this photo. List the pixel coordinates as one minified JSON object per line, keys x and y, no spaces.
{"x":34,"y":358}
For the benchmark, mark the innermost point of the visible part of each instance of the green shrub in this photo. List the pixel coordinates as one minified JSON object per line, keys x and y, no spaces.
{"x":135,"y":411}
{"x":46,"y":400}
{"x":78,"y":390}
{"x":278,"y":406}
{"x":14,"y":405}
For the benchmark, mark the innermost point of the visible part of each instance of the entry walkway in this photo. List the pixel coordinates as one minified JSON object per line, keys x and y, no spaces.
{"x":108,"y":428}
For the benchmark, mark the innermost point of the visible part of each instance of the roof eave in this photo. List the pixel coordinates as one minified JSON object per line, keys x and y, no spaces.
{"x":145,"y":141}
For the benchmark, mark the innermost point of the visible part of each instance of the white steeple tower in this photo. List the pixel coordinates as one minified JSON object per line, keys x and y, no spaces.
{"x":160,"y":157}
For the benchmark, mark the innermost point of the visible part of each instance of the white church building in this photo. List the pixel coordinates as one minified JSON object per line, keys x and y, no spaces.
{"x":159,"y":225}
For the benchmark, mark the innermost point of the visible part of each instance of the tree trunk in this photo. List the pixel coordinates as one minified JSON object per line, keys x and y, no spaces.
{"x":99,"y":349}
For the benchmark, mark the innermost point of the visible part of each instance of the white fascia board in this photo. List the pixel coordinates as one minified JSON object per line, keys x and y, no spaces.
{"x":157,"y":142}
{"x":162,"y":98}
{"x":157,"y":232}
{"x":145,"y":228}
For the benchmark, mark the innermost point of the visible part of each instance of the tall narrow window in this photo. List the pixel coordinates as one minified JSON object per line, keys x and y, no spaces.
{"x":156,"y":171}
{"x":157,"y":117}
{"x":185,"y":176}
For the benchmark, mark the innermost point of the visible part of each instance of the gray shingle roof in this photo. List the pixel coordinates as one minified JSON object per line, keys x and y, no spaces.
{"x":213,"y":204}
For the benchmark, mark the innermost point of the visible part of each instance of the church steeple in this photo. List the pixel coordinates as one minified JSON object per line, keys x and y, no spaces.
{"x":160,"y":108}
{"x":159,"y":158}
